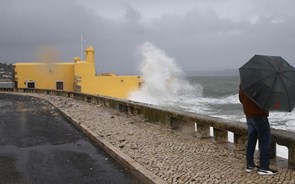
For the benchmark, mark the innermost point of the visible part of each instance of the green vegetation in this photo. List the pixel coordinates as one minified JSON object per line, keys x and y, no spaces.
{"x":5,"y":72}
{"x":6,"y":67}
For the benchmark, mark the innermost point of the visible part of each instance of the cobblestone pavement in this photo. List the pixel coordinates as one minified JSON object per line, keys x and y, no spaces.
{"x":174,"y":157}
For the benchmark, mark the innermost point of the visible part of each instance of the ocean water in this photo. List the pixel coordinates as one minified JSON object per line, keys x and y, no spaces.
{"x":166,"y":85}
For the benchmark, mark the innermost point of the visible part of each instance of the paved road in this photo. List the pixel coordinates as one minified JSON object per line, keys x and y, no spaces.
{"x":170,"y":155}
{"x":37,"y":145}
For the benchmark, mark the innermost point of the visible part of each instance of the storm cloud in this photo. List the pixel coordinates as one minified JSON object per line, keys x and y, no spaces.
{"x":199,"y":35}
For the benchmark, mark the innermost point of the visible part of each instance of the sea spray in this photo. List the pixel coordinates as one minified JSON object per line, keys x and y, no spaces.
{"x":164,"y":81}
{"x":166,"y":85}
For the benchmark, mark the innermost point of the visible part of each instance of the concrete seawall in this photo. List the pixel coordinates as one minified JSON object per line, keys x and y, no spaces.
{"x":161,"y":141}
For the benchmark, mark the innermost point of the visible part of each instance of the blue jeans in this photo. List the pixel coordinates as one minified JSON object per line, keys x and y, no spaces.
{"x":258,"y":128}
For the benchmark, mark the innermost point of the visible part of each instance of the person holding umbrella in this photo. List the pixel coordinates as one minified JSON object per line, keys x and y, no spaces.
{"x":258,"y":128}
{"x":267,"y":83}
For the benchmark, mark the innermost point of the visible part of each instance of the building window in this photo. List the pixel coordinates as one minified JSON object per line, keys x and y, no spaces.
{"x":60,"y":85}
{"x":31,"y":84}
{"x":15,"y":84}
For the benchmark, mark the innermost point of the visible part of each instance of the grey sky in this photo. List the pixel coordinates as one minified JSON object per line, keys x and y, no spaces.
{"x":198,"y":34}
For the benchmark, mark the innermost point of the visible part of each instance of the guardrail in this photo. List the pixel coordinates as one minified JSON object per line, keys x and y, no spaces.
{"x":185,"y":122}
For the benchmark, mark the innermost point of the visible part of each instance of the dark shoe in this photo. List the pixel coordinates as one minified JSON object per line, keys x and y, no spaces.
{"x":266,"y":172}
{"x":251,"y":168}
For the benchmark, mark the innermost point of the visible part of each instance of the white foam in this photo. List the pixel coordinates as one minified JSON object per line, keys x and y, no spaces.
{"x":164,"y":81}
{"x":165,"y":85}
{"x":232,"y":99}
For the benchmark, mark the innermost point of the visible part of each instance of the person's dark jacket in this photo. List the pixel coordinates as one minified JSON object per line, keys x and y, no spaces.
{"x":250,"y":108}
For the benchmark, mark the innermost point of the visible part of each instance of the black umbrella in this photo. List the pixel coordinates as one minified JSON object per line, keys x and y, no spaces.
{"x":270,"y":82}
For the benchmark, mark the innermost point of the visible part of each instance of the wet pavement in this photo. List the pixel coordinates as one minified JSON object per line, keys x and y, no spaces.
{"x":171,"y":156}
{"x":38,"y":145}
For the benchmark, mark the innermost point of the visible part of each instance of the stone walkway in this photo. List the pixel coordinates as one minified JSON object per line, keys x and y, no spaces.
{"x":173,"y":157}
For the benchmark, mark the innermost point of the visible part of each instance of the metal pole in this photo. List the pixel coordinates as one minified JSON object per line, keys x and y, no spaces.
{"x":82,"y":42}
{"x":81,"y":47}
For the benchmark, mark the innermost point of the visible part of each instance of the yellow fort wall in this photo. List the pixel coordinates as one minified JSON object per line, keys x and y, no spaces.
{"x":44,"y":75}
{"x":79,"y":76}
{"x":116,"y":86}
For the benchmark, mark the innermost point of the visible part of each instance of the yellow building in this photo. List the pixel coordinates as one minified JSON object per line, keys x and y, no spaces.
{"x":79,"y":76}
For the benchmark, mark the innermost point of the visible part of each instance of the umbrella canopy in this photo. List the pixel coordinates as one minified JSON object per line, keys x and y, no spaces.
{"x":270,"y":82}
